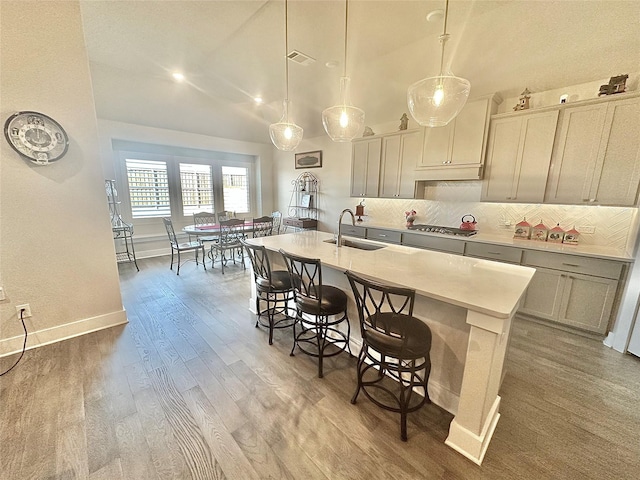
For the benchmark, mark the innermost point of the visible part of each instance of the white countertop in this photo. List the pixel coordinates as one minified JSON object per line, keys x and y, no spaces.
{"x":595,"y":251}
{"x":484,"y":286}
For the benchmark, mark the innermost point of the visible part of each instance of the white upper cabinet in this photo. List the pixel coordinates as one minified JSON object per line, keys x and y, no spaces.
{"x":597,"y":155}
{"x":518,"y":157}
{"x":456,"y":151}
{"x":399,"y":155}
{"x":365,"y":167}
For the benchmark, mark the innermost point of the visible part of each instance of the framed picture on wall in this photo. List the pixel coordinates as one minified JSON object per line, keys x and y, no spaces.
{"x":309,"y":159}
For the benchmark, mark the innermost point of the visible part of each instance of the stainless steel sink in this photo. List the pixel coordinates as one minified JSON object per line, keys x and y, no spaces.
{"x":358,"y":245}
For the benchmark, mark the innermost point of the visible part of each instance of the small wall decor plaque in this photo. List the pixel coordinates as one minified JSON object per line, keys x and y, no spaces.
{"x":309,"y":159}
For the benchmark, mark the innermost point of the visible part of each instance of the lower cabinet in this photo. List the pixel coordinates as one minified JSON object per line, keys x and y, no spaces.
{"x":570,"y":298}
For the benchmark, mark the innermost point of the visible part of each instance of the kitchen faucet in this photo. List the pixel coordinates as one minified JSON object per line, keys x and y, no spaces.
{"x":353,"y":222}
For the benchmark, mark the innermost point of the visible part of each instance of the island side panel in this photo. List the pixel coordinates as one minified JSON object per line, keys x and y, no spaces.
{"x":471,"y":430}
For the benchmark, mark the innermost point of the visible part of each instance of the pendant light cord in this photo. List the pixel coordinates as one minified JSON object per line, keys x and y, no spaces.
{"x":286,"y":51}
{"x":444,"y":37}
{"x":346,"y":22}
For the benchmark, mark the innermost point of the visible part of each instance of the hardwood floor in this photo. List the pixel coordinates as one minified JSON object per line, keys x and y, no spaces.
{"x":190,"y":389}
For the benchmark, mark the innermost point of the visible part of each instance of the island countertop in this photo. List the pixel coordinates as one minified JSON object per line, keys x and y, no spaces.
{"x":483,"y":286}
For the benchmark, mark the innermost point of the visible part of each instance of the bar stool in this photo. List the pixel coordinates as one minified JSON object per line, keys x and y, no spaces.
{"x":272,"y":287}
{"x":320,"y":309}
{"x":394,"y":343}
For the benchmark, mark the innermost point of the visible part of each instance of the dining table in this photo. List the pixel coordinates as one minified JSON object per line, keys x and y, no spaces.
{"x":213,"y":229}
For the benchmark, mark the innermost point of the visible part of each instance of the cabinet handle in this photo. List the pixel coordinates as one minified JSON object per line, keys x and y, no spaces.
{"x":381,"y":235}
{"x":495,"y":253}
{"x":444,"y":162}
{"x":571,"y":264}
{"x":508,"y":198}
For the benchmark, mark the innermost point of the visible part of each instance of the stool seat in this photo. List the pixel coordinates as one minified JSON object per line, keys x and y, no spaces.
{"x":279,"y":281}
{"x":333,"y":302}
{"x":418,"y":335}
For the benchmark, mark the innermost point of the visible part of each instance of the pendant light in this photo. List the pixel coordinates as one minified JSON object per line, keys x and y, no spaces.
{"x":343,"y":122}
{"x":286,"y":135}
{"x":435,"y":101}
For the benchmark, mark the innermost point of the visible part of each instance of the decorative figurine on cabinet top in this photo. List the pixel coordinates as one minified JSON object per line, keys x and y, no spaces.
{"x":615,"y":85}
{"x":368,"y":132}
{"x":404,"y":122}
{"x":556,"y":234}
{"x":523,"y":104}
{"x":571,"y":237}
{"x":540,"y":232}
{"x":523,"y":230}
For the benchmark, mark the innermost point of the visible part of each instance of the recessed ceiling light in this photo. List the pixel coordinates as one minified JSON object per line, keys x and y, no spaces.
{"x":435,"y":16}
{"x":332,"y":64}
{"x":258,"y":100}
{"x":177,"y":76}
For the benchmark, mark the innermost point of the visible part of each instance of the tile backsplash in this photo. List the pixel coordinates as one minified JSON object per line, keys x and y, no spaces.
{"x":447,"y":202}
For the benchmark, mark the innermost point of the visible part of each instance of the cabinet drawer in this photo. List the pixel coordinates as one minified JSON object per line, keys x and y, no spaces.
{"x":493,"y":252}
{"x":433,"y":243}
{"x":388,"y":236}
{"x":353,"y":231}
{"x":572,"y":263}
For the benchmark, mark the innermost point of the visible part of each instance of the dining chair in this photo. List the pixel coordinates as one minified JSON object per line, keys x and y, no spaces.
{"x":394,"y":363}
{"x":320,"y":311}
{"x":205,"y":218}
{"x":262,"y":227}
{"x":178,"y":247}
{"x":277,"y":222}
{"x":225,"y":215}
{"x":230,"y":232}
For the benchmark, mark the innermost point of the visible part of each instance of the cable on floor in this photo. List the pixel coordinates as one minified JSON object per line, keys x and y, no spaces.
{"x":24,"y":345}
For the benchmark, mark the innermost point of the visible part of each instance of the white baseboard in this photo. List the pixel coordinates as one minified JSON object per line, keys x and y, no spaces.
{"x":39,"y":338}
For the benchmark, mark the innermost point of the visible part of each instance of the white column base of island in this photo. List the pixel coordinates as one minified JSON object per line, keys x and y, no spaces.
{"x":468,"y":304}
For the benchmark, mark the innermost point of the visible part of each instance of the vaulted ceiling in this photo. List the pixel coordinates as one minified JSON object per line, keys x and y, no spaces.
{"x":232,"y":51}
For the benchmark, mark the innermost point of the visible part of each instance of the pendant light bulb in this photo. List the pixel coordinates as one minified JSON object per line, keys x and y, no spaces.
{"x":435,"y":101}
{"x":344,"y":121}
{"x":286,"y":135}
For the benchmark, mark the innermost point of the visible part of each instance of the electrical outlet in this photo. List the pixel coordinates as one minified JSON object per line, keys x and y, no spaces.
{"x":587,"y":229}
{"x":27,"y":310}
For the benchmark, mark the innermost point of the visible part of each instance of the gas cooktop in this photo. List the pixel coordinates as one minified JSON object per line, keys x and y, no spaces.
{"x":443,"y":230}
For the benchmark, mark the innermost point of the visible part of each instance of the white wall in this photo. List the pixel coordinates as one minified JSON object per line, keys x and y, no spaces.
{"x":150,"y":237}
{"x":56,"y":249}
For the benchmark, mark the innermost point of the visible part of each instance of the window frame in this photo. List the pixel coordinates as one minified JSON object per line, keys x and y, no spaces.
{"x":175,"y":187}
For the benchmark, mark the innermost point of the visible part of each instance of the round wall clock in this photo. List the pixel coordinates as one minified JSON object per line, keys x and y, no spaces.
{"x":36,"y":136}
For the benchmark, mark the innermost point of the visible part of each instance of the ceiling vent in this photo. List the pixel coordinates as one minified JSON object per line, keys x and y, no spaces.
{"x":301,"y":58}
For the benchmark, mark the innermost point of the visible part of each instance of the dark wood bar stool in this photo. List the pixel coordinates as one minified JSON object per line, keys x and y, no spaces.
{"x":320,"y":309}
{"x":273,"y":287}
{"x":393,"y":364}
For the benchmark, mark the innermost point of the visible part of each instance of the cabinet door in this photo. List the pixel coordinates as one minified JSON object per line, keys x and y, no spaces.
{"x":544,"y":294}
{"x":534,"y":157}
{"x":574,"y":159}
{"x":502,"y":154}
{"x":411,"y":153}
{"x":617,"y":174}
{"x":437,"y":143}
{"x":391,"y":166}
{"x":365,"y":168}
{"x":468,"y":134}
{"x":587,"y":302}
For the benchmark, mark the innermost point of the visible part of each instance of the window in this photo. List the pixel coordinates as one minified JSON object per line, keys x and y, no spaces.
{"x":148,"y":188}
{"x":235,"y":189}
{"x":197,"y":188}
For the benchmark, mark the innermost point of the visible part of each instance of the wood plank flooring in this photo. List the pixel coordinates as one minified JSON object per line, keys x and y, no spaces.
{"x":189,"y":389}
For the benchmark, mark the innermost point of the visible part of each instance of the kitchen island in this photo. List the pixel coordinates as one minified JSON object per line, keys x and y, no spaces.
{"x":468,"y":303}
